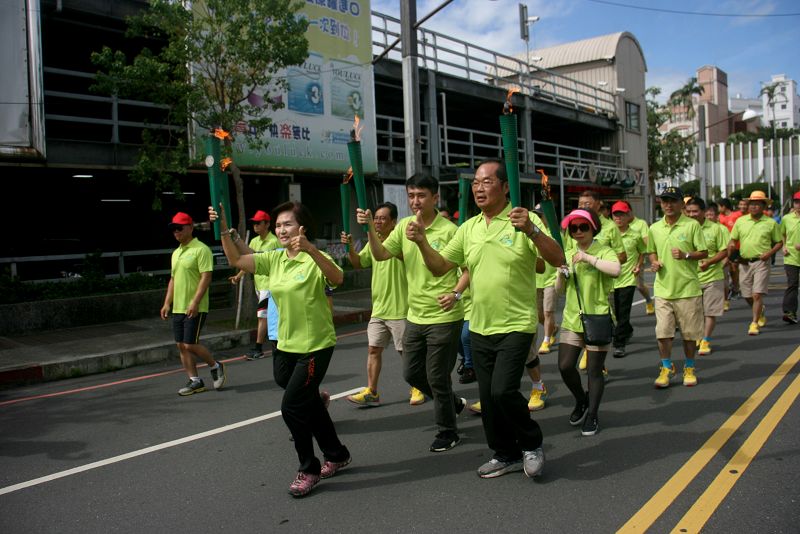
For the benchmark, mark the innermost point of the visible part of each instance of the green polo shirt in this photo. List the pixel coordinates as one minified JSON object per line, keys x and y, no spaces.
{"x":257,"y":244}
{"x":466,"y":300}
{"x":389,"y":288}
{"x":676,"y":279}
{"x":188,"y":262}
{"x":502,"y":270}
{"x":594,"y":286}
{"x":423,"y":287}
{"x":717,"y":238}
{"x":634,"y":247}
{"x":755,"y":236}
{"x":298,"y":288}
{"x":790,"y":228}
{"x":638,"y":225}
{"x":547,"y":278}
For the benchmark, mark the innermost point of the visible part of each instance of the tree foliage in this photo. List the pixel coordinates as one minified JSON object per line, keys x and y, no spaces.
{"x":214,"y":64}
{"x":763,"y":133}
{"x":683,"y":97}
{"x":669,"y":154}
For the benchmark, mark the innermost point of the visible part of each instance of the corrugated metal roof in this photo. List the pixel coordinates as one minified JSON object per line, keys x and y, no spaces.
{"x":584,"y":51}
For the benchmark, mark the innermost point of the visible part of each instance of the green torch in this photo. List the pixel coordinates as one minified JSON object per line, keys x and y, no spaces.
{"x":357,"y":164}
{"x":508,"y":129}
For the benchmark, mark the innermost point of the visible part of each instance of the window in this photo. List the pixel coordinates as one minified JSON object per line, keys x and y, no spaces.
{"x":783,"y":106}
{"x":632,"y":116}
{"x":783,"y":124}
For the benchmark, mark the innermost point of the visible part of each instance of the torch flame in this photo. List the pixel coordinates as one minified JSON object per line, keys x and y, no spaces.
{"x":545,"y":184}
{"x":225,"y":163}
{"x":355,"y":133}
{"x":348,"y":176}
{"x":507,"y":108}
{"x":219,"y":133}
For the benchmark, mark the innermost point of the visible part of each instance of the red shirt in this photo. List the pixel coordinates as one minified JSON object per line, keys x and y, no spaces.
{"x":729,"y":220}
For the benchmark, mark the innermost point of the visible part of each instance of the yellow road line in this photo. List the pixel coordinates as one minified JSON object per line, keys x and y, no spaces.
{"x":664,"y":497}
{"x":709,"y":501}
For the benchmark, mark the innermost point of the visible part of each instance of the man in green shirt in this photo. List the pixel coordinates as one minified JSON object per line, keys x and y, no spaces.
{"x":640,"y":226}
{"x":759,"y":238}
{"x":710,"y":272}
{"x":790,"y":228}
{"x":499,"y":247}
{"x":389,"y":306}
{"x":625,"y":283}
{"x":675,"y":244}
{"x":263,"y":241}
{"x":187,"y":298}
{"x":435,"y":312}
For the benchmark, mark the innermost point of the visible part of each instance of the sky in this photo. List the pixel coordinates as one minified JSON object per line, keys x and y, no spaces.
{"x":749,"y":49}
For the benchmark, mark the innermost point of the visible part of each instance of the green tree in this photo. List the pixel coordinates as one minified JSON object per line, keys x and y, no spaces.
{"x":772,"y":94}
{"x":683,"y":96}
{"x":669,"y":154}
{"x":217,"y":67}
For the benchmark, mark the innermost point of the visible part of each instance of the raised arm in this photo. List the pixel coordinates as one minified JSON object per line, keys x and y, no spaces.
{"x":236,"y":258}
{"x":379,"y":252}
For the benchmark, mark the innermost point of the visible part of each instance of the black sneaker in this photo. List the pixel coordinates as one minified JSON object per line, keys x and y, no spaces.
{"x":467,"y":376}
{"x":460,"y":368}
{"x":790,"y":318}
{"x":254,"y":355}
{"x":218,"y":375}
{"x":589,"y":427}
{"x":445,"y":441}
{"x":619,"y":352}
{"x":577,"y":415}
{"x":461,"y":403}
{"x":192,"y":387}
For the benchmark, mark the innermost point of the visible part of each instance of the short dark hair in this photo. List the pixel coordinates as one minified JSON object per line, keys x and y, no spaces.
{"x":389,"y":206}
{"x":501,"y":173}
{"x":725,"y":203}
{"x":712,"y":206}
{"x":590,"y":193}
{"x":697,"y":201}
{"x":301,"y":213}
{"x":423,"y":181}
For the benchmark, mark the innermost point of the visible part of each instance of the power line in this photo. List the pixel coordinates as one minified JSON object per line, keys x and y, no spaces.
{"x":696,"y":13}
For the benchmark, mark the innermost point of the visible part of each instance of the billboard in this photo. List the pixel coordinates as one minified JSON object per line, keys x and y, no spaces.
{"x":334,"y":84}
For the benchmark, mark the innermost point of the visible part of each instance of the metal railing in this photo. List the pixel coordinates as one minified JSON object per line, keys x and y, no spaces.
{"x":448,"y":55}
{"x":391,"y":139}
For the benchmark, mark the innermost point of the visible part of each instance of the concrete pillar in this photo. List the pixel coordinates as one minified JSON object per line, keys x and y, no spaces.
{"x":723,"y":180}
{"x":432,"y":115}
{"x":408,"y":17}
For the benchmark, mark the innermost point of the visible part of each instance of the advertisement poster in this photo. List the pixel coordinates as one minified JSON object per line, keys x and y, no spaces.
{"x":324,"y":94}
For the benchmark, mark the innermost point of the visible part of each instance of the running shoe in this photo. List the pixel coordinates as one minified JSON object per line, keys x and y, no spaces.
{"x":753,"y":330}
{"x":495,"y":468}
{"x":544,"y":348}
{"x":605,"y":375}
{"x":726,"y":306}
{"x":192,"y":387}
{"x":619,"y":352}
{"x":365,"y":397}
{"x":330,"y":468}
{"x":790,"y":318}
{"x":461,"y":403}
{"x":762,"y":319}
{"x":445,"y":441}
{"x":650,"y":308}
{"x":533,"y":462}
{"x":582,"y":363}
{"x":417,"y":397}
{"x":467,"y":376}
{"x":705,"y":347}
{"x":475,"y":408}
{"x":536,"y":401}
{"x":590,"y":426}
{"x":664,"y":376}
{"x":254,"y":355}
{"x":219,"y":376}
{"x":577,"y":415}
{"x":303,"y":484}
{"x":689,"y":378}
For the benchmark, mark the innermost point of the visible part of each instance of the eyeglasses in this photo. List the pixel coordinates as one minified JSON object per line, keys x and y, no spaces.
{"x":176,"y":227}
{"x":256,"y":223}
{"x":619,"y":213}
{"x":583,"y":227}
{"x":486,"y":182}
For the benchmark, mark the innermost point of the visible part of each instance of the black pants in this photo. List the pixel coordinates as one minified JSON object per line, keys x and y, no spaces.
{"x":499,"y":364}
{"x":790,"y":295}
{"x":623,"y":300}
{"x":303,"y":410}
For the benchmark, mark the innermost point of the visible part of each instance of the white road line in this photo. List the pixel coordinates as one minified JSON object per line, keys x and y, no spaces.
{"x":154,"y":448}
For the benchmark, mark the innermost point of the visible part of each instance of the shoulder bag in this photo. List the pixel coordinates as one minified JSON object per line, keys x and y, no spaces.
{"x":598,"y":328}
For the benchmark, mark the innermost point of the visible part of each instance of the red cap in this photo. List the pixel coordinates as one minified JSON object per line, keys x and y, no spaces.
{"x":796,"y":196}
{"x":456,"y":214}
{"x":182,"y":218}
{"x":620,"y":206}
{"x":260,"y":216}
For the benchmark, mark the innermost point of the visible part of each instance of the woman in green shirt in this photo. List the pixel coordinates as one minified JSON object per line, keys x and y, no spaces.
{"x":298,"y":275}
{"x":595,"y":267}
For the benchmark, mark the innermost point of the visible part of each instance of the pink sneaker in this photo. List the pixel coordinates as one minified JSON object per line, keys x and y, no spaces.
{"x":330,"y":468}
{"x":303,"y":484}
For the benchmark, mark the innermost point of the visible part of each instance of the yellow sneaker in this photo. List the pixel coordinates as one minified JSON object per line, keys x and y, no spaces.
{"x":753,"y":330}
{"x":475,"y":408}
{"x":365,"y":398}
{"x":762,"y":319}
{"x":538,"y":396}
{"x":417,"y":397}
{"x":544,"y":348}
{"x":689,"y":378}
{"x":705,"y":348}
{"x":582,"y":363}
{"x":664,"y":377}
{"x":697,"y":343}
{"x":650,"y":308}
{"x":726,"y":306}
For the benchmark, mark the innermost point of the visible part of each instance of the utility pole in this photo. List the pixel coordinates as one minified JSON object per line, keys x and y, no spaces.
{"x":408,"y":36}
{"x":701,"y":148}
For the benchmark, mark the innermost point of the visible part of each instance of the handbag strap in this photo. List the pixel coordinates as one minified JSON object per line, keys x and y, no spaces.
{"x":577,"y":291}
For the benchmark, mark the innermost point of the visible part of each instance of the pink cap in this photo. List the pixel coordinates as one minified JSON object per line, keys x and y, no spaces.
{"x":577,"y":214}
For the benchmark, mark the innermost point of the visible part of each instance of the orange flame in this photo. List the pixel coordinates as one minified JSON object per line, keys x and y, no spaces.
{"x":545,"y":184}
{"x":507,"y":108}
{"x":225,"y":163}
{"x":219,"y":133}
{"x":355,"y":133}
{"x":348,"y":176}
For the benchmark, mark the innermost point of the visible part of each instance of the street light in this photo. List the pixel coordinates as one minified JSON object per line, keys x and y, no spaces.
{"x":524,"y":31}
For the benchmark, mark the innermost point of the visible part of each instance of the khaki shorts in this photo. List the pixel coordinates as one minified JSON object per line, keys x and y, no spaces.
{"x":576,"y":340}
{"x":754,"y":278}
{"x":381,"y":331}
{"x":547,"y":299}
{"x":714,"y":298}
{"x":686,"y":313}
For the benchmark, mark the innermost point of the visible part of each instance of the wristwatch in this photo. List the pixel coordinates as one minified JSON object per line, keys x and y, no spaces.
{"x":687,"y":255}
{"x":536,"y":231}
{"x":457,"y":294}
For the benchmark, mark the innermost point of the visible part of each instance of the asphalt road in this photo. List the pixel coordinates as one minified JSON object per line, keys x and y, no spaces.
{"x":677,"y":441}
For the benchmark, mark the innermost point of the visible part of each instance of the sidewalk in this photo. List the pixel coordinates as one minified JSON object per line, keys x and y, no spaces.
{"x":72,"y":352}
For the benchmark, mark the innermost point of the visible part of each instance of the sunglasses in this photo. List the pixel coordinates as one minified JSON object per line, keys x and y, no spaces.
{"x":583,"y":227}
{"x":176,"y":227}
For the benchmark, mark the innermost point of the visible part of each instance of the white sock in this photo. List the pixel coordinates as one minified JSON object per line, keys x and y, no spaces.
{"x":538,"y":385}
{"x":215,"y":366}
{"x":547,"y":339}
{"x":194,"y":378}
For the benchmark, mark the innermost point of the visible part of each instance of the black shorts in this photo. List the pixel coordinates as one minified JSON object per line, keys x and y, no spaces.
{"x":186,"y":329}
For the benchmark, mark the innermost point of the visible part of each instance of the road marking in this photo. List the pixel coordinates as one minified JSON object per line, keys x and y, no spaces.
{"x":129,"y":380}
{"x":153,"y":448}
{"x":709,"y":501}
{"x":664,"y":497}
